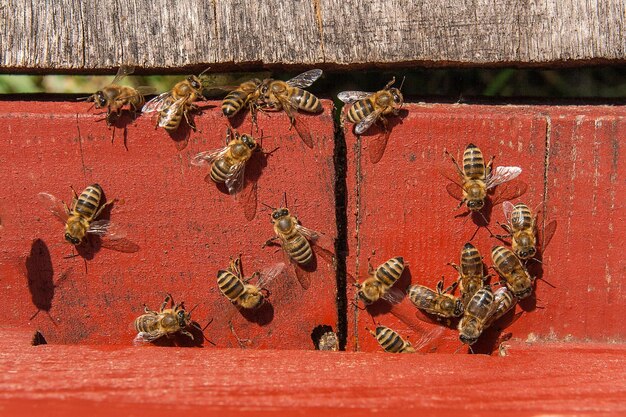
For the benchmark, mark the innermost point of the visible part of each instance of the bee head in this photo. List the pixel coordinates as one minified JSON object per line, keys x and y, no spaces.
{"x":468,"y":340}
{"x":183,"y":317}
{"x":71,"y":239}
{"x":476,"y":204}
{"x":249,"y":141}
{"x":396,"y":95}
{"x":279,"y":213}
{"x":98,"y":99}
{"x":194,"y":82}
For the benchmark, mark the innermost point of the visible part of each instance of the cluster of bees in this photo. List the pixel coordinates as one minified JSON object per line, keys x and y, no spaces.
{"x":478,"y":306}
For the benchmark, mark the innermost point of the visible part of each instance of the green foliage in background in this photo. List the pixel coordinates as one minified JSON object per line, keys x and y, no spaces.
{"x":600,"y":82}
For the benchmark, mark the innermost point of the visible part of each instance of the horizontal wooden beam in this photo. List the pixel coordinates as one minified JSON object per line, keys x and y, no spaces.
{"x":73,"y":35}
{"x":563,"y":379}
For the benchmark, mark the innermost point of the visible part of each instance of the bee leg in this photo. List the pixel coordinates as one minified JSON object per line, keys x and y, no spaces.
{"x":458,"y":168}
{"x":102,"y":207}
{"x":489,"y":165}
{"x":270,"y":242}
{"x":451,"y":288}
{"x":167,"y":299}
{"x":241,"y":342}
{"x":186,"y":333}
{"x":190,"y":122}
{"x":455,"y":266}
{"x":460,"y":204}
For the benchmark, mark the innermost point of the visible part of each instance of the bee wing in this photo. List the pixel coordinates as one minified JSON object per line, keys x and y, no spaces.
{"x":56,"y":206}
{"x":235,"y":178}
{"x":544,"y":237}
{"x":145,"y":90}
{"x":268,"y":275}
{"x":501,"y":175}
{"x":302,"y":275}
{"x":509,"y":191}
{"x":156,"y":104}
{"x":394,"y":295}
{"x":366,"y":123}
{"x":427,"y":336}
{"x":377,"y":146}
{"x":455,"y":191}
{"x":171,"y":110}
{"x":145,"y":337}
{"x":507,"y":208}
{"x":208,"y":157}
{"x":122,"y":72}
{"x":350,"y":97}
{"x":305,"y":79}
{"x":311,"y":235}
{"x":112,"y":236}
{"x":247,"y":199}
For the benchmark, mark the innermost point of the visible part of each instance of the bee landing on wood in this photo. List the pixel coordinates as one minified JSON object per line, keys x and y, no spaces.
{"x":367,"y":108}
{"x":380,"y":282}
{"x":440,"y":302}
{"x":80,"y":219}
{"x":471,"y":272}
{"x":114,"y":97}
{"x":177,"y":103}
{"x":290,"y":97}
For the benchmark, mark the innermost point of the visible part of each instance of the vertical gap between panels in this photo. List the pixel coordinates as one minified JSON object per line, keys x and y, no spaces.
{"x":341,"y":198}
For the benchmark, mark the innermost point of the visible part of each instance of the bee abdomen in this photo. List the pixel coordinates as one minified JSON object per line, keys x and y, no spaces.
{"x":89,"y":200}
{"x":233,"y":102}
{"x":389,"y":339}
{"x":521,"y":218}
{"x":230,"y":285}
{"x":307,"y":101}
{"x":146,"y":323}
{"x":421,"y":296}
{"x":220,"y":170}
{"x":360,"y":109}
{"x":471,"y":262}
{"x":389,"y":272}
{"x":473,"y":162}
{"x":504,"y":260}
{"x":300,"y":250}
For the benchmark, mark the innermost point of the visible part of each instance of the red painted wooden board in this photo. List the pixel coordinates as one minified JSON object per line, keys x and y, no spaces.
{"x":569,"y":155}
{"x":540,"y":379}
{"x":186,"y":229}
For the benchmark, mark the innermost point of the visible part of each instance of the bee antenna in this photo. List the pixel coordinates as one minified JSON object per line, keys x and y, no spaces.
{"x":194,"y":307}
{"x":208,"y":68}
{"x":547,"y":282}
{"x":268,"y":206}
{"x":195,"y":325}
{"x":83,"y":98}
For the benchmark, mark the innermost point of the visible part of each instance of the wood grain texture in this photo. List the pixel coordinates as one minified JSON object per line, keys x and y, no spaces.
{"x":149,"y":381}
{"x":89,"y":35}
{"x":186,"y":229}
{"x":571,"y":160}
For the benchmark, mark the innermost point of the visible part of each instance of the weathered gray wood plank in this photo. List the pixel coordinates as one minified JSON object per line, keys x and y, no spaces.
{"x":161,"y":34}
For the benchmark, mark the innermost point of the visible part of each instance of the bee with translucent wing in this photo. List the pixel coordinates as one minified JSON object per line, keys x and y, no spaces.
{"x":239,"y":290}
{"x":392,"y":342}
{"x":246,"y":94}
{"x":477,"y":313}
{"x":153,"y":325}
{"x":80,"y":219}
{"x":175,"y":104}
{"x":441,"y":303}
{"x":228,"y":167}
{"x":522,"y":226}
{"x":367,"y":108}
{"x":114,"y":96}
{"x":380,"y":282}
{"x":471,"y":272}
{"x":512,"y":272}
{"x":289,"y":96}
{"x":478,"y":178}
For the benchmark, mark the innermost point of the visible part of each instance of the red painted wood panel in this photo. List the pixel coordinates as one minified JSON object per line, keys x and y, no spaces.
{"x":541,"y":379}
{"x":186,"y":229}
{"x":400,"y":207}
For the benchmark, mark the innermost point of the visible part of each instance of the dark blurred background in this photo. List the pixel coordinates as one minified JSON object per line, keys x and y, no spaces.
{"x":608,"y":82}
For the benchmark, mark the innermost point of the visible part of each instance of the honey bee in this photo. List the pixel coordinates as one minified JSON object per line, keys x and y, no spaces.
{"x":391,"y":341}
{"x":522,"y":227}
{"x":296,"y":240}
{"x":368,"y":108}
{"x":380,"y":281}
{"x":114,"y":96}
{"x":289,"y":96}
{"x":153,"y":325}
{"x":510,"y":268}
{"x":248,"y":93}
{"x":503,"y":301}
{"x":176,"y":103}
{"x":239,"y":291}
{"x":477,"y":179}
{"x":477,"y":313}
{"x":228,"y":166}
{"x":329,"y":341}
{"x":441,"y":303}
{"x":80,"y":219}
{"x":471,"y":274}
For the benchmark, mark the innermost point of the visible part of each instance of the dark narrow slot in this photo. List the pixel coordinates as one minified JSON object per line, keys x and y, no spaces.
{"x":341,"y":218}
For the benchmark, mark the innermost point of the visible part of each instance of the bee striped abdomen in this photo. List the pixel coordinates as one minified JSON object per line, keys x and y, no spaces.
{"x":233,"y":102}
{"x":421,"y":296}
{"x":389,"y":339}
{"x":88,"y":201}
{"x":220,"y":170}
{"x":389,"y":272}
{"x":230,"y":285}
{"x":473,"y":162}
{"x":521,"y":217}
{"x":146,"y":323}
{"x":505,"y":261}
{"x":306,"y":101}
{"x":299,"y":249}
{"x":360,"y":110}
{"x":480,"y":304}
